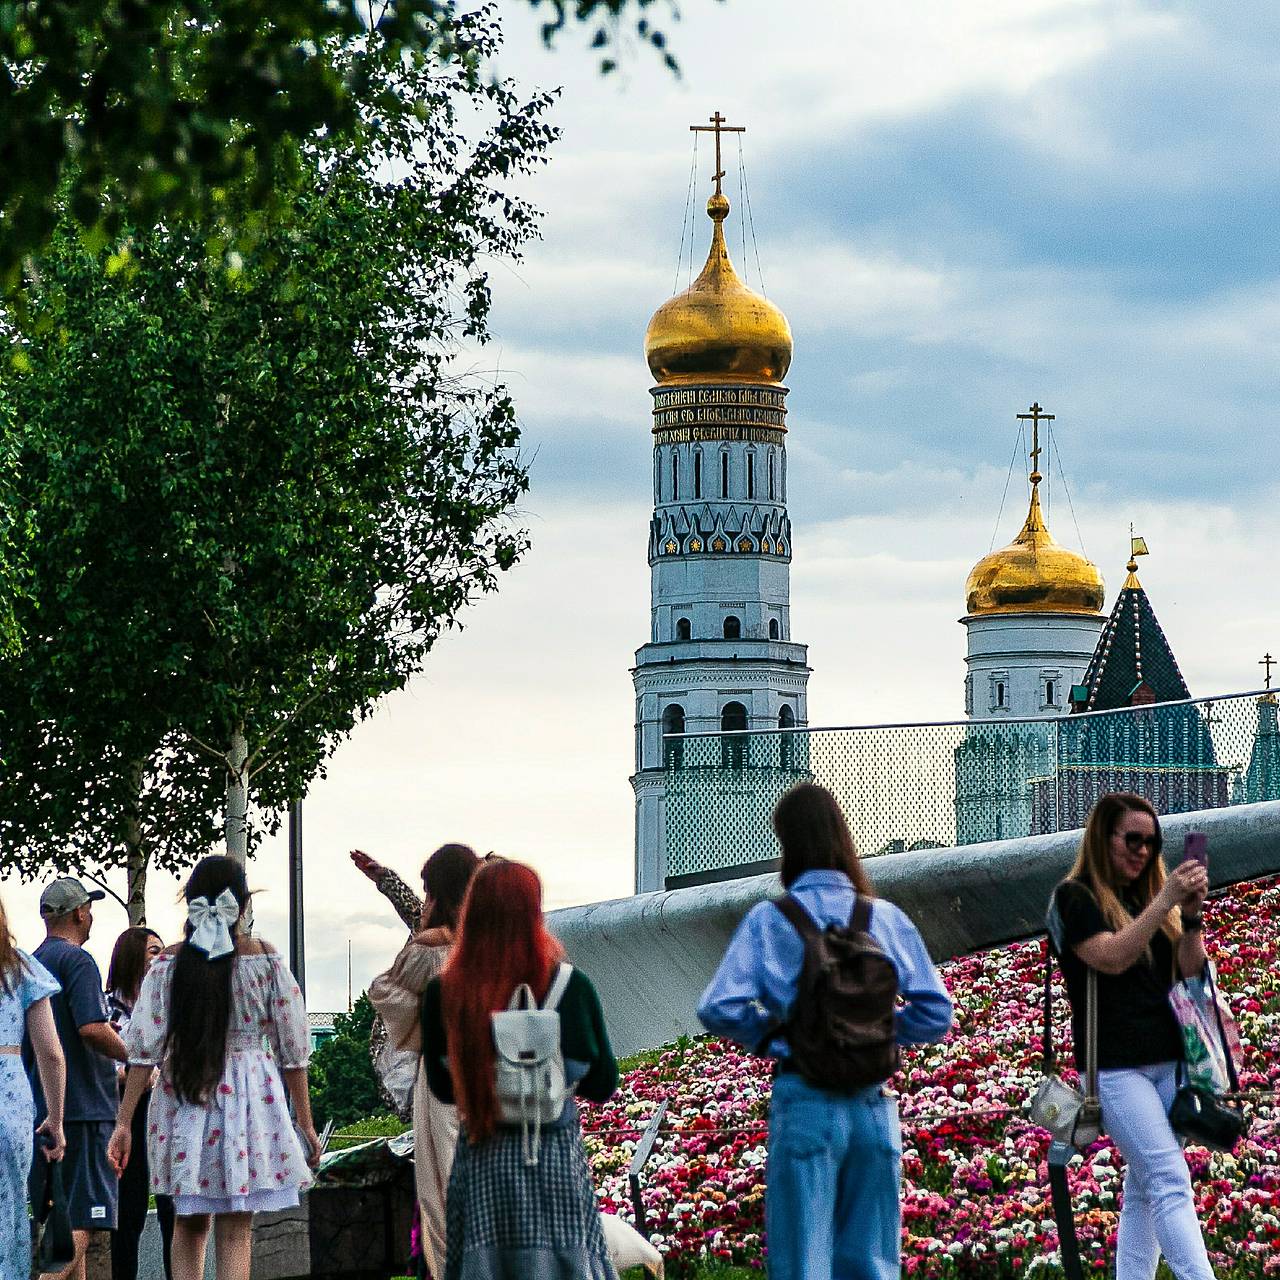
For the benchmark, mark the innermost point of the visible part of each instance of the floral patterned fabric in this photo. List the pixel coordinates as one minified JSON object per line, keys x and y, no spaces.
{"x":17,"y":1118}
{"x":240,"y":1146}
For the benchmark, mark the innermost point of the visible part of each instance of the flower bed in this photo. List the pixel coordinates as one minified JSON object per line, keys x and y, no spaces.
{"x":975,"y":1188}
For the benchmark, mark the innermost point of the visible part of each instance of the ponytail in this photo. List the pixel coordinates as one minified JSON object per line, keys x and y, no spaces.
{"x":200,"y":997}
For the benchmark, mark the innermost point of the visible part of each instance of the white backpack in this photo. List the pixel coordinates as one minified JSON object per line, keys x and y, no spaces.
{"x":530,"y":1066}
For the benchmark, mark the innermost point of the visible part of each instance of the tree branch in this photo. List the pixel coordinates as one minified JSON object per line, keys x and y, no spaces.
{"x":105,"y":887}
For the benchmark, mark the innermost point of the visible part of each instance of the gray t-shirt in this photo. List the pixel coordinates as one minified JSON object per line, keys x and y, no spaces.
{"x":91,"y":1077}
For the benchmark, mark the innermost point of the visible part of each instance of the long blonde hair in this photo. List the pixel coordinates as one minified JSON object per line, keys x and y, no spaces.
{"x":11,"y":963}
{"x":1093,"y":863}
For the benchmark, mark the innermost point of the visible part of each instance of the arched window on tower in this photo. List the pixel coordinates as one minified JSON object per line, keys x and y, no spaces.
{"x":784,"y":475}
{"x":773,"y":628}
{"x":683,"y":630}
{"x":733,"y":746}
{"x":786,"y":740}
{"x":697,"y":473}
{"x":773,"y":476}
{"x":724,"y":474}
{"x":657,"y":475}
{"x":732,"y":628}
{"x":675,"y":476}
{"x":673,"y":748}
{"x":751,"y":473}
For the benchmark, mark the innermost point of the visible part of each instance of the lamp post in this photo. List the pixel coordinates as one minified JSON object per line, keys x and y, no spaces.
{"x":297,"y":920}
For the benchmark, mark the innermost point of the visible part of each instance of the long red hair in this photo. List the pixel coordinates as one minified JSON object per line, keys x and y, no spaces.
{"x":502,"y":941}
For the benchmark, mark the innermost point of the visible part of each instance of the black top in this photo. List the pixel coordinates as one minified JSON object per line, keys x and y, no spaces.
{"x":590,"y":1066}
{"x":1136,"y":1026}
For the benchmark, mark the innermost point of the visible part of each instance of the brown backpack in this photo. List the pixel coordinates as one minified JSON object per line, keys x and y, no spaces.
{"x":842,"y":1025}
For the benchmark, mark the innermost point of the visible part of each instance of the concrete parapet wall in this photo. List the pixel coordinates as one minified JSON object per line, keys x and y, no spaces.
{"x":651,"y":955}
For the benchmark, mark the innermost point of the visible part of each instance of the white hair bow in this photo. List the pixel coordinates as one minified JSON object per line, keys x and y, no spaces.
{"x":211,"y":924}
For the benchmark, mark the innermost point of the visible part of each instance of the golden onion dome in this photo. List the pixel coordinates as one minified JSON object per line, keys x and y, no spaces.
{"x":717,"y":330}
{"x":1034,"y":574}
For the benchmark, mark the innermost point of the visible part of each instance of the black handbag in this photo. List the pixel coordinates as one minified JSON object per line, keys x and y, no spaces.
{"x":56,"y":1249}
{"x":1202,"y":1117}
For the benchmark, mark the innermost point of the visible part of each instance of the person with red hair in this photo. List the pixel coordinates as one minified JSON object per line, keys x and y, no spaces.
{"x":509,"y":1216}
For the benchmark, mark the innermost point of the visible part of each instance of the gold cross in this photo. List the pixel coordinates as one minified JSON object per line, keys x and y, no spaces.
{"x":1267,"y":661}
{"x":1035,"y":415}
{"x":717,"y":126}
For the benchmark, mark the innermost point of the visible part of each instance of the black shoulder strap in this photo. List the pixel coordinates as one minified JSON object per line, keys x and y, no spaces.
{"x":860,"y":916}
{"x":798,"y":916}
{"x":1047,"y":1056}
{"x":1060,"y":1154}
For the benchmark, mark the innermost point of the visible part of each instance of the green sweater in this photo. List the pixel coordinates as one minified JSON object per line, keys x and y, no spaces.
{"x":584,"y":1042}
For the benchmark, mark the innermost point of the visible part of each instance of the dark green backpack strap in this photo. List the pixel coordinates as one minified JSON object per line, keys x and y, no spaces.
{"x":798,"y":916}
{"x":860,"y":916}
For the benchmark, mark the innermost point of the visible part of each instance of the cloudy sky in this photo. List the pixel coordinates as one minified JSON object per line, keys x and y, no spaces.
{"x":961,"y":208}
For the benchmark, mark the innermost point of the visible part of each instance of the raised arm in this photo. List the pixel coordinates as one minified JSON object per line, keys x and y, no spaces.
{"x":407,"y":904}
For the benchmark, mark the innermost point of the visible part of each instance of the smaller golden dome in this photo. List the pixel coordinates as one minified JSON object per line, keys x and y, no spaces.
{"x":717,"y":330}
{"x":1034,"y":574}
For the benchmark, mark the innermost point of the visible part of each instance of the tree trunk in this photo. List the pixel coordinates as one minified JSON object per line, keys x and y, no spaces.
{"x":135,"y":852}
{"x":237,"y":815}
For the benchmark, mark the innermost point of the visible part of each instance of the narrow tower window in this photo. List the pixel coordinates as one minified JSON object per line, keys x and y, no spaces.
{"x":675,"y":476}
{"x":786,"y":721}
{"x":657,"y":476}
{"x":751,"y":473}
{"x":673,"y":748}
{"x":732,"y":628}
{"x":724,"y":474}
{"x":999,"y":693}
{"x":773,"y":475}
{"x":773,"y":632}
{"x":733,"y":749}
{"x":683,"y":629}
{"x":697,"y":474}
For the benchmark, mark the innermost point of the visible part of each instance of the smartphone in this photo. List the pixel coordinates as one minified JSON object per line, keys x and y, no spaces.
{"x":1195,"y":848}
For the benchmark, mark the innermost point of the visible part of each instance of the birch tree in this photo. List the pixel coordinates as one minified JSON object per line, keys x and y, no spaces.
{"x":260,"y":495}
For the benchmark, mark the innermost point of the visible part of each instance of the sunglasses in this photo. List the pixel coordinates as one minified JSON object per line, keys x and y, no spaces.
{"x":1133,"y":841}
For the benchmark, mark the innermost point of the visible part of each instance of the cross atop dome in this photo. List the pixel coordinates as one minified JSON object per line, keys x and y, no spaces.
{"x":717,"y":126}
{"x":1035,"y":415}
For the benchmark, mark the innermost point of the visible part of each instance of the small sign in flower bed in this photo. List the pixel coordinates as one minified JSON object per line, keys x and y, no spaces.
{"x":975,"y":1187}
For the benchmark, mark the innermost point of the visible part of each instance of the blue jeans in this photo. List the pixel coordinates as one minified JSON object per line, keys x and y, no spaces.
{"x":1158,"y":1215}
{"x":832,"y":1206}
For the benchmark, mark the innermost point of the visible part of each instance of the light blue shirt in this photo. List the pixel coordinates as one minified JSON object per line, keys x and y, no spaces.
{"x":755,"y":986}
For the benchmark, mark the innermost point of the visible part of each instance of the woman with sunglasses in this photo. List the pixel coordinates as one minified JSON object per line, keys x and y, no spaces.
{"x":1120,"y":914}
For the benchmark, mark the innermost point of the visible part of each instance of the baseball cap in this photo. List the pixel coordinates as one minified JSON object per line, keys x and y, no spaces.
{"x":66,"y":894}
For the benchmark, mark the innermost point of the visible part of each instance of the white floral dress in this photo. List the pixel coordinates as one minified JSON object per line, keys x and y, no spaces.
{"x":238,"y":1152}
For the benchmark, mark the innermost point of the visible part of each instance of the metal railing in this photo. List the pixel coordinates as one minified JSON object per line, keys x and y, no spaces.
{"x":913,"y":786}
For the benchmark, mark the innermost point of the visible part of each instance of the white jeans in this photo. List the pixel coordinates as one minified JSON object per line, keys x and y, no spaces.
{"x":1159,"y":1212}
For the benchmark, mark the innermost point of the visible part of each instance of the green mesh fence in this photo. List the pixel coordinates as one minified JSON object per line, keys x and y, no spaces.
{"x":917,"y":786}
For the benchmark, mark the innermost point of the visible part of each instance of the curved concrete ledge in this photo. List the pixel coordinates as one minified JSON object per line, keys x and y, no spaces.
{"x":651,"y":955}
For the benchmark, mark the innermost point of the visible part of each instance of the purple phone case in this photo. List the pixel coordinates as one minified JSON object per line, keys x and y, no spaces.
{"x":1196,"y":847}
